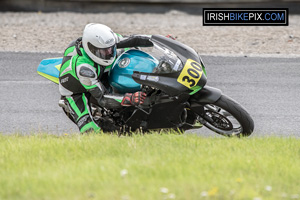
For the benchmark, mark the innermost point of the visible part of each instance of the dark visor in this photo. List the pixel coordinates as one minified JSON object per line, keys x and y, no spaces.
{"x":103,"y":53}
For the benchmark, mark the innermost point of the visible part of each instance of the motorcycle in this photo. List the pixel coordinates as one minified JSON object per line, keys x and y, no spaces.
{"x":174,"y":78}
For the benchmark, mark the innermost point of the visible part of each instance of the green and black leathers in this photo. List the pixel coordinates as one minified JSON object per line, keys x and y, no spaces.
{"x":80,"y":78}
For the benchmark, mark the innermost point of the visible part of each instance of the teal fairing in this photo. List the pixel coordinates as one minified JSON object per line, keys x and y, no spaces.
{"x":168,"y":68}
{"x":120,"y":75}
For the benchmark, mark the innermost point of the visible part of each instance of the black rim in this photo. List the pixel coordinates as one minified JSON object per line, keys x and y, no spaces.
{"x":218,"y":120}
{"x":221,"y":121}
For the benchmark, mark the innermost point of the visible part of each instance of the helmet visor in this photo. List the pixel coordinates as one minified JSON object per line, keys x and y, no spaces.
{"x":103,"y":53}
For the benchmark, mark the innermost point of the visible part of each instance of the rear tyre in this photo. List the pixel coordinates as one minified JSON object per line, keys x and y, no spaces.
{"x":227,"y":117}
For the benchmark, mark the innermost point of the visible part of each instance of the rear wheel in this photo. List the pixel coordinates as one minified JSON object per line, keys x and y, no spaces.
{"x":227,"y":117}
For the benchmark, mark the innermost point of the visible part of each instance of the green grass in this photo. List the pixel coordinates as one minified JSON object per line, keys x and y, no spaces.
{"x":166,"y":166}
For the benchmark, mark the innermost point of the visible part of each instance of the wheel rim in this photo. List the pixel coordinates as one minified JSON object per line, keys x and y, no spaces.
{"x":221,"y":121}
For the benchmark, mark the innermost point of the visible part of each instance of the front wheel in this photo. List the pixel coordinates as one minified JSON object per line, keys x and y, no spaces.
{"x":227,"y":117}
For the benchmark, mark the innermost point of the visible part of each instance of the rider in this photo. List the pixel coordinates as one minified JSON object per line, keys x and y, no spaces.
{"x":82,"y":73}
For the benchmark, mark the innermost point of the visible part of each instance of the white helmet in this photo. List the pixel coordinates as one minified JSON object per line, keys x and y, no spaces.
{"x":99,"y":42}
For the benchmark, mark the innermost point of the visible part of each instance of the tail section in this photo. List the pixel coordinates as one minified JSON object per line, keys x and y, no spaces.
{"x":49,"y":68}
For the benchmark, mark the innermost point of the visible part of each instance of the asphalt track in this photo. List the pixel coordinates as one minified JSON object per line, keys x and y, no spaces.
{"x":269,"y":88}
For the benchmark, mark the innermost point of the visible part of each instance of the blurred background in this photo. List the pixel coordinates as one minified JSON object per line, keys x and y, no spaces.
{"x":153,"y":6}
{"x":50,"y":25}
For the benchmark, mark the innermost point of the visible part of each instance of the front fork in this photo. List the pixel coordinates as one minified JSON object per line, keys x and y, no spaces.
{"x":207,"y":95}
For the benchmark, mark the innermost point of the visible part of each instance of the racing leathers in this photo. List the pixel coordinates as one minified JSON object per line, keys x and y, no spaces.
{"x":81,"y":79}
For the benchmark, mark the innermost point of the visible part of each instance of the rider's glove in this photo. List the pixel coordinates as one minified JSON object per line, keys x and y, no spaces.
{"x":133,"y":99}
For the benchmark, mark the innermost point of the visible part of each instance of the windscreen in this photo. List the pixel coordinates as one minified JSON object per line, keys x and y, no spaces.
{"x":168,"y":61}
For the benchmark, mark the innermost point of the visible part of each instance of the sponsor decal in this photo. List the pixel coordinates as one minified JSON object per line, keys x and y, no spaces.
{"x":64,"y":79}
{"x":153,"y":78}
{"x":124,"y":62}
{"x":143,"y":77}
{"x":82,"y":120}
{"x":109,"y":41}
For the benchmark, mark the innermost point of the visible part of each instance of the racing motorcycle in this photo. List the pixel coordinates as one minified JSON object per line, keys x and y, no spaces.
{"x":174,"y":78}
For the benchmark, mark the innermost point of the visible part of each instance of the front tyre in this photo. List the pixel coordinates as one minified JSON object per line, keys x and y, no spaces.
{"x":227,"y":117}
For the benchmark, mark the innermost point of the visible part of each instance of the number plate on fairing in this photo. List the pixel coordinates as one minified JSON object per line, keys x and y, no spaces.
{"x":190,"y":74}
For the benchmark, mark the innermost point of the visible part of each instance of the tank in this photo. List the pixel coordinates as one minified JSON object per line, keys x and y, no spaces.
{"x":120,"y":75}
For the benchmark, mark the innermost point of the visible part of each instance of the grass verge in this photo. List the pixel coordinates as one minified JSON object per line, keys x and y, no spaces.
{"x":166,"y":166}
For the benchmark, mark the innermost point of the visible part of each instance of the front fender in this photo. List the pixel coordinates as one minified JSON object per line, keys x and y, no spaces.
{"x":206,"y":95}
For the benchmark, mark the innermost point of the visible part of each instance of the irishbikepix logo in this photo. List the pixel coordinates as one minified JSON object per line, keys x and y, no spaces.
{"x":245,"y":17}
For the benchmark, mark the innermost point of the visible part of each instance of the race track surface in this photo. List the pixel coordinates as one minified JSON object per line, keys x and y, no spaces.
{"x":269,"y":88}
